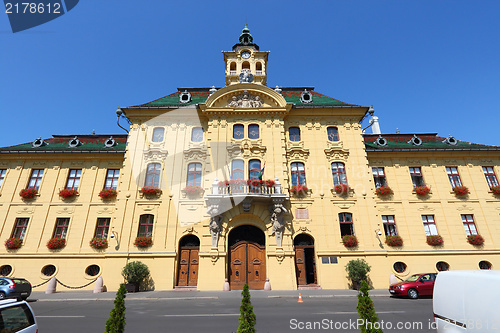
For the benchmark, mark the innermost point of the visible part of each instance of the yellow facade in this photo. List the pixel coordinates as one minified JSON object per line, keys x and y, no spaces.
{"x":163,"y":135}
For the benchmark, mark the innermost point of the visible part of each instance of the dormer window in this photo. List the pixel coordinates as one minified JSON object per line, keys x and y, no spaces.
{"x":185,"y":97}
{"x":306,"y":97}
{"x":74,"y":142}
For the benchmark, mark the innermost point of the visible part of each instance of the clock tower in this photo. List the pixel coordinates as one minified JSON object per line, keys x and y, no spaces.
{"x":245,"y":63}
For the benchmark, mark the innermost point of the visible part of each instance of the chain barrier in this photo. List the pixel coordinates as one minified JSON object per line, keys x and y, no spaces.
{"x":41,"y":284}
{"x":88,"y":284}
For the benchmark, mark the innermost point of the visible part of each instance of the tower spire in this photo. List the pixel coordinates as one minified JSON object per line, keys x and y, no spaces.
{"x":246,"y":39}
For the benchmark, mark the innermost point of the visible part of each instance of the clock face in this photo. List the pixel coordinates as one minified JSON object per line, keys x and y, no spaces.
{"x":245,"y":55}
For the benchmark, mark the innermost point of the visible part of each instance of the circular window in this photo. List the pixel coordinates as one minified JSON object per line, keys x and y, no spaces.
{"x":450,"y":140}
{"x":49,"y":270}
{"x":110,"y":142}
{"x":185,"y":97}
{"x":381,"y":141}
{"x":74,"y":142}
{"x":484,"y":265}
{"x":5,"y":270}
{"x":306,"y":97}
{"x":416,"y":141}
{"x":92,"y":270}
{"x":38,"y":142}
{"x":442,"y":266}
{"x":399,"y":267}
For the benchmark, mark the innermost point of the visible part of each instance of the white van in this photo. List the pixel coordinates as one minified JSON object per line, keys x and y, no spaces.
{"x":467,"y":301}
{"x":17,"y":317}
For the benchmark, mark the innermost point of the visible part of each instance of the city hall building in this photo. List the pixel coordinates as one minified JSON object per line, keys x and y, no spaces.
{"x":246,"y":183}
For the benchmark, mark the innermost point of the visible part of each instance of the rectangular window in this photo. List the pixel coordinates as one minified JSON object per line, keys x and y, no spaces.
{"x":379,"y":177}
{"x":298,"y":174}
{"x":429,"y":225}
{"x":20,"y":227}
{"x":61,"y":229}
{"x":194,"y":174}
{"x":254,"y":169}
{"x":469,"y":225}
{"x":237,"y":169}
{"x":112,"y":179}
{"x":158,"y":134}
{"x":35,"y":178}
{"x":238,"y":131}
{"x":346,"y":225}
{"x":489,"y":173}
{"x":146,"y":225}
{"x":294,"y":133}
{"x":389,"y":225}
{"x":102,"y":227}
{"x":197,"y":134}
{"x":333,"y":133}
{"x":153,"y":175}
{"x":253,"y":131}
{"x":2,"y":176}
{"x":338,"y":173}
{"x":416,"y":177}
{"x":74,"y":179}
{"x":453,"y":176}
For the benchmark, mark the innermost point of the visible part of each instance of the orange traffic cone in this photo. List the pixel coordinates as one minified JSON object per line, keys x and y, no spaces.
{"x":300,"y":299}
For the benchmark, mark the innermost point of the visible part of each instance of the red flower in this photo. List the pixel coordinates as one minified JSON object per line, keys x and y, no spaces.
{"x":99,"y":243}
{"x":349,"y":240}
{"x":150,"y":190}
{"x":394,"y":240}
{"x":142,"y":241}
{"x":28,"y":193}
{"x":193,"y":190}
{"x":422,"y":190}
{"x":342,"y":189}
{"x":223,"y":183}
{"x":435,"y":240}
{"x":68,"y":193}
{"x":255,"y":182}
{"x":299,"y":190}
{"x":56,"y":243}
{"x":13,"y":243}
{"x":236,"y":182}
{"x":461,"y":190}
{"x":270,"y":183}
{"x":108,"y":193}
{"x":496,"y":190}
{"x":384,"y":190}
{"x":475,"y":239}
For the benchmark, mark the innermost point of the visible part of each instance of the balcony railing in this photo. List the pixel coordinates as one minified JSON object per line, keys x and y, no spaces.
{"x":223,"y":188}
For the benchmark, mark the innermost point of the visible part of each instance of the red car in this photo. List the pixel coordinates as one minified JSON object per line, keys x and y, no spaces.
{"x":414,"y":286}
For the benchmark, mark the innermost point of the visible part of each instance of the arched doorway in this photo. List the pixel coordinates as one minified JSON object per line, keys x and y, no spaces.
{"x":247,"y":257}
{"x":187,"y":270}
{"x":305,"y":260}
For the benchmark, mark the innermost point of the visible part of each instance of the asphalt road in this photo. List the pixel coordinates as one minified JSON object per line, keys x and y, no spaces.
{"x":220,"y":314}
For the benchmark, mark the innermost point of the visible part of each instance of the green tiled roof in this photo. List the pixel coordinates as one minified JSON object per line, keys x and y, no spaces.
{"x":402,"y":142}
{"x":60,"y":144}
{"x":200,"y":95}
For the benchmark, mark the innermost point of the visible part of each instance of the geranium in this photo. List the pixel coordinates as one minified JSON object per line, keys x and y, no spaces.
{"x":142,"y":241}
{"x":99,"y":243}
{"x":299,"y":190}
{"x":496,"y":190}
{"x":349,"y":240}
{"x":56,"y":243}
{"x":28,"y":193}
{"x":475,"y":239}
{"x":223,"y":183}
{"x":68,"y":193}
{"x":384,"y":190}
{"x":341,"y":189}
{"x":150,"y":190}
{"x":255,"y":182}
{"x":193,"y":190}
{"x":394,"y":240}
{"x":108,"y":193}
{"x":13,"y":243}
{"x":461,"y":190}
{"x":435,"y":240}
{"x":237,"y":182}
{"x":422,"y":190}
{"x":270,"y":183}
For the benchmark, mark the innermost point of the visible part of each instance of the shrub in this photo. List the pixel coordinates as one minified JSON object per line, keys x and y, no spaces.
{"x":142,"y":241}
{"x":384,"y":190}
{"x":108,"y":193}
{"x":68,"y":193}
{"x":342,"y":189}
{"x":357,"y":270}
{"x":56,"y":243}
{"x":135,"y":272}
{"x":13,"y":243}
{"x":366,"y":311}
{"x":496,"y":190}
{"x":28,"y":193}
{"x":349,"y":240}
{"x":299,"y":190}
{"x":99,"y":243}
{"x":150,"y":190}
{"x":461,"y":190}
{"x":247,"y":318}
{"x":394,"y":240}
{"x":116,"y":321}
{"x":435,"y":240}
{"x":475,"y":239}
{"x":422,"y":190}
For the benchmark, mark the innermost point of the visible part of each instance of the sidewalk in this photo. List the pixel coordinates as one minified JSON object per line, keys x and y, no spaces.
{"x":88,"y":295}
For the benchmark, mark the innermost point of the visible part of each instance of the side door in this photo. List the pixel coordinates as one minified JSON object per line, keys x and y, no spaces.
{"x":300,"y":266}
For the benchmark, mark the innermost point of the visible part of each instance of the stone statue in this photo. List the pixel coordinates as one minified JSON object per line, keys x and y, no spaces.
{"x":215,"y":223}
{"x":245,"y":100}
{"x":278,"y":223}
{"x":234,"y":102}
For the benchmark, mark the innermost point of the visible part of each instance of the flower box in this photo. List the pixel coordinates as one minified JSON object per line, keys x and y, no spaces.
{"x":475,"y":240}
{"x":435,"y":240}
{"x":395,"y":240}
{"x":68,"y":193}
{"x":142,"y":241}
{"x":349,"y":241}
{"x":150,"y":190}
{"x":270,"y":183}
{"x":422,"y":190}
{"x":255,"y":182}
{"x":56,"y":243}
{"x":99,"y":243}
{"x":496,"y":190}
{"x":384,"y":190}
{"x":28,"y":193}
{"x":342,"y":189}
{"x":461,"y":190}
{"x":108,"y":193}
{"x":299,"y":190}
{"x":193,"y":190}
{"x":13,"y":243}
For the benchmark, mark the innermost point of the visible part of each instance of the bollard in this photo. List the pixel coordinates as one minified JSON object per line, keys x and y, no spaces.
{"x":226,"y":286}
{"x":51,"y":286}
{"x":98,"y":285}
{"x":267,"y":285}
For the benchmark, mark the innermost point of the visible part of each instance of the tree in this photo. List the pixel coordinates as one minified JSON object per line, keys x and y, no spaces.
{"x":357,"y":271}
{"x":366,"y":311}
{"x":247,"y":317}
{"x":116,"y":320}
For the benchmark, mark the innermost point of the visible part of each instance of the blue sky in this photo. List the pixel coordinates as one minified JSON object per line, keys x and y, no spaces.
{"x":425,"y":66}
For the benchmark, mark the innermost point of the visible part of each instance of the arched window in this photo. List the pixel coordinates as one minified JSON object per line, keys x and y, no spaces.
{"x":245,"y":65}
{"x":232,"y":68}
{"x":346,"y":225}
{"x":333,"y":133}
{"x":294,"y":133}
{"x":298,"y":174}
{"x":253,"y":131}
{"x":153,"y":175}
{"x":254,"y":169}
{"x":197,"y":134}
{"x":158,"y":133}
{"x":194,"y":174}
{"x":146,"y":222}
{"x":238,"y":131}
{"x":338,"y":173}
{"x":258,"y":68}
{"x":237,"y":169}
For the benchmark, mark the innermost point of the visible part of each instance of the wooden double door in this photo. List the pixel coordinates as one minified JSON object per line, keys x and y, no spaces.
{"x":247,"y":264}
{"x":188,"y":267}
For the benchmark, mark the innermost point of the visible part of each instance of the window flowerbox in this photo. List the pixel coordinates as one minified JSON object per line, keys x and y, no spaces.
{"x":13,"y":243}
{"x":270,"y":183}
{"x":56,"y":243}
{"x":384,"y":190}
{"x":193,"y":190}
{"x":150,"y":190}
{"x":68,"y":193}
{"x":394,"y":241}
{"x":342,"y":189}
{"x":435,"y":240}
{"x":475,"y":240}
{"x":108,"y":193}
{"x":28,"y":193}
{"x":99,"y":243}
{"x":496,"y":190}
{"x":349,"y":241}
{"x":461,"y":190}
{"x":299,"y":190}
{"x":422,"y":190}
{"x":143,"y":242}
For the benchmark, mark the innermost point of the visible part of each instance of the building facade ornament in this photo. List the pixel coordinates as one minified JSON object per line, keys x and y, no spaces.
{"x":245,"y":100}
{"x":278,"y":222}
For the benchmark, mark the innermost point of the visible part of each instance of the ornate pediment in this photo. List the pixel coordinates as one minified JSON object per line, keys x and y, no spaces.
{"x":336,"y":154}
{"x":297,"y":153}
{"x":155,"y":154}
{"x":196,"y":154}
